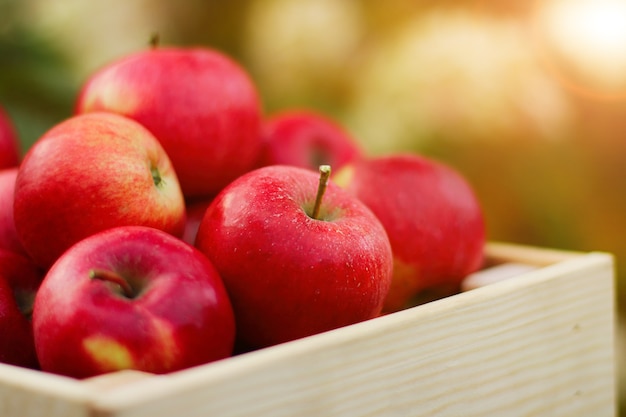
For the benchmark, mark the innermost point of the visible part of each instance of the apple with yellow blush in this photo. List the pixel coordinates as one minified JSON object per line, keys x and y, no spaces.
{"x":131,"y":297}
{"x":306,"y":138}
{"x":89,"y":173}
{"x":198,"y":102}
{"x":298,"y":255}
{"x":432,"y":216}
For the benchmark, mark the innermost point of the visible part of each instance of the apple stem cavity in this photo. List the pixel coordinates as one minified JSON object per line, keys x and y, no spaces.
{"x":321,"y":189}
{"x":112,"y":277}
{"x":25,"y":303}
{"x":156,"y":176}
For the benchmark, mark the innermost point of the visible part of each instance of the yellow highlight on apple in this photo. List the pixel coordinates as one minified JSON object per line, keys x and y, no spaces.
{"x":108,"y":353}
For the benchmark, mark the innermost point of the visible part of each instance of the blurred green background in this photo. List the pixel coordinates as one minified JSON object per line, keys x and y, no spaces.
{"x":526,"y":98}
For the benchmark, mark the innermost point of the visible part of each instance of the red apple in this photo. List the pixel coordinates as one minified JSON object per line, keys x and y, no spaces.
{"x":10,"y":148}
{"x":307,"y":139}
{"x":8,"y":235}
{"x":199,"y":103}
{"x":19,"y":280}
{"x":131,"y":298}
{"x":292,"y":272}
{"x":432,"y":217}
{"x":90,"y":173}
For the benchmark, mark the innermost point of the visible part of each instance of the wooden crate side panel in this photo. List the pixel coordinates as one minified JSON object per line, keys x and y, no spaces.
{"x":537,"y":345}
{"x":30,"y":393}
{"x":498,"y":252}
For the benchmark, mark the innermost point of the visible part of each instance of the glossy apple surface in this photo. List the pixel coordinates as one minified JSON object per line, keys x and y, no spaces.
{"x":200,"y":104}
{"x":431,"y":214}
{"x":10,"y":148}
{"x":19,"y":280}
{"x":8,"y":235}
{"x":131,"y":298}
{"x":306,"y":139}
{"x":288,"y":274}
{"x":89,"y":173}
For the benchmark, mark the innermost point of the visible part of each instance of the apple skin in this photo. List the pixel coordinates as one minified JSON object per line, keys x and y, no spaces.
{"x":289,"y":275}
{"x":10,"y":148}
{"x":89,"y":173}
{"x":201,"y":105}
{"x":9,"y":239}
{"x":179,"y":315}
{"x":431,"y":214}
{"x":19,"y":281}
{"x":307,"y":139}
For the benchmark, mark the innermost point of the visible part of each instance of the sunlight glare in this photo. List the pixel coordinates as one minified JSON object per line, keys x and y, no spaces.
{"x":590,"y":35}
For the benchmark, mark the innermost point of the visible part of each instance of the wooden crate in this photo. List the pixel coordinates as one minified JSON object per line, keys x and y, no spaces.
{"x":537,"y":344}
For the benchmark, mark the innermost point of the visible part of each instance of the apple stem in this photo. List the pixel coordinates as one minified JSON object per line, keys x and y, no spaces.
{"x":155,"y":40}
{"x":109,"y":276}
{"x":321,"y":189}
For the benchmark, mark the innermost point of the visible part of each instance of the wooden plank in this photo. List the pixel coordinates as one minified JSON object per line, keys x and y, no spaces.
{"x":499,"y":252}
{"x":31,"y":393}
{"x":115,"y":380}
{"x":493,"y":274}
{"x":540,"y":344}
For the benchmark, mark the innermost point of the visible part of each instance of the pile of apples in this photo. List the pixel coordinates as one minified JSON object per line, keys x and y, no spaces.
{"x":169,"y":223}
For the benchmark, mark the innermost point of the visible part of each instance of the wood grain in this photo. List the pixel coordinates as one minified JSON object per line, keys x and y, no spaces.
{"x":539,"y":344}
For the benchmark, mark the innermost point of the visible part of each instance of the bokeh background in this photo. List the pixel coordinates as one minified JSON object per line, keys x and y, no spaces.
{"x":526,"y":98}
